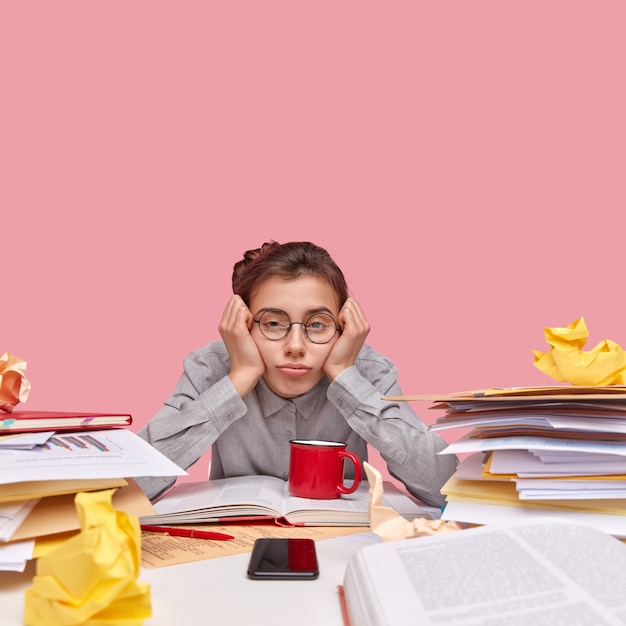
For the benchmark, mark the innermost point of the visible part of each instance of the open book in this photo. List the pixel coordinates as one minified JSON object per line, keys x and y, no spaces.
{"x":535,"y":572}
{"x":267,"y":497}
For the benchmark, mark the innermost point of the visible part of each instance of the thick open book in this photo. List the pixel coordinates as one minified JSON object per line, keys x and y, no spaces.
{"x":555,"y":573}
{"x":267,"y":497}
{"x":33,"y":421}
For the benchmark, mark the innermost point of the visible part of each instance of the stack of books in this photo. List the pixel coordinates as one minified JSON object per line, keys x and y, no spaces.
{"x":46,"y":458}
{"x":537,"y":452}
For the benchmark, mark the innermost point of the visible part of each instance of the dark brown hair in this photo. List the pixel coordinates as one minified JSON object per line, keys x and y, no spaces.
{"x":288,"y":261}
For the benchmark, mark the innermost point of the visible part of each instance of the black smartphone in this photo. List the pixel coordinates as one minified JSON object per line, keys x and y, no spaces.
{"x":283,"y":559}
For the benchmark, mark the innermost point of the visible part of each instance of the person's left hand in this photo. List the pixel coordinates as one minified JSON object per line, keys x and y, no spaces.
{"x":347,"y":346}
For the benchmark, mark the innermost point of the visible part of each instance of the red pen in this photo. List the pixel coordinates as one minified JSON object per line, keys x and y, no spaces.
{"x":186,"y":532}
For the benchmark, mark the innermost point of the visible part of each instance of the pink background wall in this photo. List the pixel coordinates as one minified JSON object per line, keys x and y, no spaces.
{"x":463,"y":161}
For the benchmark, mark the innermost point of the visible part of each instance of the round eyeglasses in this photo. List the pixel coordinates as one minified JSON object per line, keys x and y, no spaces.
{"x":275,"y":324}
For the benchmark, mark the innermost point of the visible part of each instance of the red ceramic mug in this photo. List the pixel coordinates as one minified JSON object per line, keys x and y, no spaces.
{"x":316,"y":469}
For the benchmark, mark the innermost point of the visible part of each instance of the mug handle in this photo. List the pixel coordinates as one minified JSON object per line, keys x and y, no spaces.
{"x":344,"y":454}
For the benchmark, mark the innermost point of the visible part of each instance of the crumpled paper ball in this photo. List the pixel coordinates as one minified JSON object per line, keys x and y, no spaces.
{"x":605,"y":364}
{"x":14,"y":386}
{"x":388,"y":524}
{"x":91,"y":579}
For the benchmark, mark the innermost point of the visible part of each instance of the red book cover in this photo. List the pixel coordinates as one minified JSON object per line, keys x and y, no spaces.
{"x":32,"y":421}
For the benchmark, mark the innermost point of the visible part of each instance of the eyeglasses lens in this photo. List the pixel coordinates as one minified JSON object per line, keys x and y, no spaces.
{"x":319,"y":327}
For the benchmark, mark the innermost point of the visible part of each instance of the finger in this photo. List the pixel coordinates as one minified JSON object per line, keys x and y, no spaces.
{"x":356,"y":309}
{"x":229,"y":312}
{"x":236,"y":312}
{"x":354,"y":314}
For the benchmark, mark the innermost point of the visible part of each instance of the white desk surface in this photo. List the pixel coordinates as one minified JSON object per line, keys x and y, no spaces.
{"x":217,"y":591}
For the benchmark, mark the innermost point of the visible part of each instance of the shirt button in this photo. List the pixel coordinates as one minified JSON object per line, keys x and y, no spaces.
{"x":285,"y":475}
{"x":231,"y":417}
{"x":340,"y":402}
{"x":289,"y":434}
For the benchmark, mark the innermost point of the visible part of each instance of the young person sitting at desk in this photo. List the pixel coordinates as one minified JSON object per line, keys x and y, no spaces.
{"x":292,"y":363}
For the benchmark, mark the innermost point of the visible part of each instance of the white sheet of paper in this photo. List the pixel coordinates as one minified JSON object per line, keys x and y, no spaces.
{"x":525,"y":464}
{"x":12,"y":514}
{"x":473,"y":444}
{"x":24,"y":441}
{"x":588,"y":425}
{"x":571,"y":494}
{"x":109,"y":453}
{"x":13,"y":556}
{"x":472,"y":513}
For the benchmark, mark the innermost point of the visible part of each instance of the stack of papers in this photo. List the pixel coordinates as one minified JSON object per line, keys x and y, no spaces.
{"x":38,"y":483}
{"x":538,"y":452}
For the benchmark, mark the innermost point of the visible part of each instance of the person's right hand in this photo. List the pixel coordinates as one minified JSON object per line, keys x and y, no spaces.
{"x":247,"y":366}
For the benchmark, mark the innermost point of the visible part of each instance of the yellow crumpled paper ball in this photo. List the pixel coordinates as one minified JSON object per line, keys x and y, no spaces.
{"x":605,"y":364}
{"x":14,"y":386}
{"x":91,"y":579}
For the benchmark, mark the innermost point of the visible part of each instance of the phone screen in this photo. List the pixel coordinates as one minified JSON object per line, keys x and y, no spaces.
{"x":283,"y":559}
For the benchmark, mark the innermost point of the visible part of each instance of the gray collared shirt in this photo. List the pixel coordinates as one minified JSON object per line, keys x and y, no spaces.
{"x":251,"y":435}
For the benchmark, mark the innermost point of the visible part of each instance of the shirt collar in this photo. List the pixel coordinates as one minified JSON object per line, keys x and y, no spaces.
{"x":305,"y":404}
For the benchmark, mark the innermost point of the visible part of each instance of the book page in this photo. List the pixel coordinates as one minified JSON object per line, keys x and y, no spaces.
{"x":357,"y":501}
{"x":548,"y":573}
{"x":353,"y":508}
{"x":224,"y":495}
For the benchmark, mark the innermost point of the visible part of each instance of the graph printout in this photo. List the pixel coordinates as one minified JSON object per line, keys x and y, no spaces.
{"x":110,"y":453}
